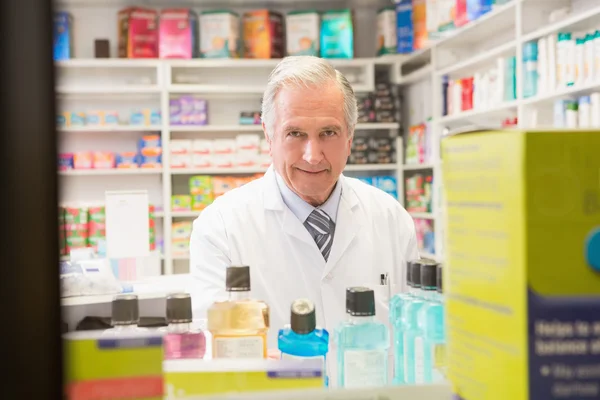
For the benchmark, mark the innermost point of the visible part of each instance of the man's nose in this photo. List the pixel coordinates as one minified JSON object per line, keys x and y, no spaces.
{"x":313,"y":153}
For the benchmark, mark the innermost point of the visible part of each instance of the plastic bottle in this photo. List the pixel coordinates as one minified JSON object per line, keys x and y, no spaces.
{"x":362,"y":343}
{"x":572,"y":117}
{"x":432,"y":327}
{"x":570,"y":60}
{"x":584,"y":112}
{"x":302,"y":339}
{"x":552,"y":81}
{"x":125,"y":316}
{"x":579,"y":73}
{"x":181,"y":341}
{"x":542,"y":64}
{"x":597,"y":54}
{"x":589,"y":58}
{"x":396,"y":306}
{"x":410,"y":327}
{"x":562,"y":59}
{"x":530,"y":72}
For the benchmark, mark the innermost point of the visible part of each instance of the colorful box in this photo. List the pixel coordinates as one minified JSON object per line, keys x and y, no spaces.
{"x":219,"y":34}
{"x":128,"y":159}
{"x":181,"y":230}
{"x":405,"y":26}
{"x":103,"y":159}
{"x":461,"y":13}
{"x":302,"y":33}
{"x":419,"y":15}
{"x":337,"y":34}
{"x":177,"y":33}
{"x":145,"y":117}
{"x":477,"y":8}
{"x":63,"y":36}
{"x":138,"y":33}
{"x":200,"y":184}
{"x":522,"y":264}
{"x":181,"y":202}
{"x":102,"y":366}
{"x":262,"y":32}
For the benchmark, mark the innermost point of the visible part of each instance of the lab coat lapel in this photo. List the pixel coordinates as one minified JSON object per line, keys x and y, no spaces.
{"x":289,"y":223}
{"x":350,"y":218}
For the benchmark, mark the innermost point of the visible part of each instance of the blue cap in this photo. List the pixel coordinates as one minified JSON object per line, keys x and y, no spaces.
{"x":592,"y":249}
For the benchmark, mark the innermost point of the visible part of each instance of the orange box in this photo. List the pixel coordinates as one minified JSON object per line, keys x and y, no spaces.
{"x":262,"y":32}
{"x":420,"y":24}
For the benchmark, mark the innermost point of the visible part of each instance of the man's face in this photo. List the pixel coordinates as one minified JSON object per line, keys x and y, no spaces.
{"x":311,"y":142}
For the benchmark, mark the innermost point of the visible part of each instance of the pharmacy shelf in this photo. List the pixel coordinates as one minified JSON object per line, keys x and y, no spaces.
{"x":475,"y":63}
{"x":108,"y":172}
{"x":572,"y":23}
{"x":479,"y":114}
{"x":259,"y":170}
{"x":429,"y":256}
{"x":180,"y":257}
{"x":416,"y":76}
{"x":416,"y":167}
{"x":565,"y":93}
{"x":268,"y":63}
{"x":185,"y":214}
{"x":422,"y":215}
{"x":258,"y":128}
{"x":217,"y":89}
{"x":110,"y":91}
{"x":370,"y":167}
{"x":108,"y":63}
{"x":107,"y":298}
{"x":118,"y":128}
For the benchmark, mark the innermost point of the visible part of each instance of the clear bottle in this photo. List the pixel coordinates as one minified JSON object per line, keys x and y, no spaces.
{"x":432,"y":329}
{"x":396,"y":304}
{"x":412,"y":357}
{"x":240,"y":324}
{"x":180,"y":340}
{"x":125,"y":316}
{"x":362,"y":343}
{"x":302,"y":339}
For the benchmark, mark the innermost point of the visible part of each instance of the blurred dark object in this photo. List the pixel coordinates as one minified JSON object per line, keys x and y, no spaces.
{"x":102,"y":323}
{"x":101,"y":48}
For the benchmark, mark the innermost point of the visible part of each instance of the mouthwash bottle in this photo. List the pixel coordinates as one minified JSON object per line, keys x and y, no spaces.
{"x":180,"y":340}
{"x":412,"y":357}
{"x":432,"y":325}
{"x":125,"y":316}
{"x":362,"y":343}
{"x":396,"y":304}
{"x":301,"y":338}
{"x":238,"y":325}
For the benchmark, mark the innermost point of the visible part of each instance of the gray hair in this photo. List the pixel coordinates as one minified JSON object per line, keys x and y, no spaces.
{"x":306,"y":71}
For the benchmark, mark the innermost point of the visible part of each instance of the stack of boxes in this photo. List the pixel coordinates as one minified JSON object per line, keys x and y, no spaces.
{"x":188,"y":110}
{"x":383,"y":105}
{"x":373,"y":150}
{"x":246,"y":150}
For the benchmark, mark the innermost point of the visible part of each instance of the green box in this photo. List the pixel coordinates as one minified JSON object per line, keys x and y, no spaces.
{"x":97,"y":363}
{"x":522,"y":264}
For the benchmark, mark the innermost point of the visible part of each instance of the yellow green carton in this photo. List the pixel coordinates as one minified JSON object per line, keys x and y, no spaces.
{"x":522,"y":264}
{"x":102,"y":367}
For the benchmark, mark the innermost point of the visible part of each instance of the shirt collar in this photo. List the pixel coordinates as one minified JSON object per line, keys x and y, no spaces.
{"x":301,"y":209}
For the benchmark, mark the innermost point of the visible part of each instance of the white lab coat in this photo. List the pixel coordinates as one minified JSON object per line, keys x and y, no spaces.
{"x":252,"y":226}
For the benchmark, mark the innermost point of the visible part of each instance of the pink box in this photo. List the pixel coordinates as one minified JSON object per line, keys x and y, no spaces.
{"x":82,"y":160}
{"x":138,"y":33}
{"x":104,"y":160}
{"x":176,"y":33}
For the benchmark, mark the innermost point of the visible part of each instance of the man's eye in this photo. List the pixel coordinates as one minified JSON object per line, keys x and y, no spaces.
{"x":329,"y":133}
{"x":294,"y":134}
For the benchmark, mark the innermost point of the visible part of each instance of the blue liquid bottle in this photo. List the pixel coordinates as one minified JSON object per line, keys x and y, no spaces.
{"x":302,"y":339}
{"x":432,"y":324}
{"x":413,"y":356}
{"x":396,"y":304}
{"x":362,"y":343}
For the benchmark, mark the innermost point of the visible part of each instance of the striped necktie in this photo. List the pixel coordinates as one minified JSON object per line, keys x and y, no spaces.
{"x":321,"y":228}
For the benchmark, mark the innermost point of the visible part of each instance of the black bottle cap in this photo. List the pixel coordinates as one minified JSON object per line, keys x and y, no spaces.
{"x":125,"y":310}
{"x":408,"y":267}
{"x":440,"y":279}
{"x":429,"y":275}
{"x":303,"y":319}
{"x":179,"y":308}
{"x":415,"y":273}
{"x":360,"y":301}
{"x":238,"y":279}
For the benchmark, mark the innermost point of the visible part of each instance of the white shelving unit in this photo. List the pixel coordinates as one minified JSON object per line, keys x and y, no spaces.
{"x":232,"y":86}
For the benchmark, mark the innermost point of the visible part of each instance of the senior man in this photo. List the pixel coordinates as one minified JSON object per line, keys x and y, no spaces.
{"x":305,"y":230}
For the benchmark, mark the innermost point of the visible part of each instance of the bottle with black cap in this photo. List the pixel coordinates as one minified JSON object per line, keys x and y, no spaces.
{"x":432,"y":327}
{"x":362,"y":343}
{"x":181,"y":341}
{"x":302,"y":338}
{"x":239,"y":325}
{"x":125,"y":315}
{"x":413,"y":355}
{"x":397,"y":304}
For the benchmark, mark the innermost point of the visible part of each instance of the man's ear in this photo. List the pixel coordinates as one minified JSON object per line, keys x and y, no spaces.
{"x":267,"y":137}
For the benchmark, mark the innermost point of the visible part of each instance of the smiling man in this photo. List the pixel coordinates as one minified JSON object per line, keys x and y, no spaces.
{"x":305,"y":230}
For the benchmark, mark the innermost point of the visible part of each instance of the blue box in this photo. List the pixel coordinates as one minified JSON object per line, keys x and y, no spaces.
{"x":388,"y":184}
{"x":63,"y":36}
{"x":404,"y":26}
{"x":477,"y":8}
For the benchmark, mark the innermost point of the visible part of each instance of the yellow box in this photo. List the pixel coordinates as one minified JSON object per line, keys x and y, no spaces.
{"x":522,"y":273}
{"x":229,"y":376}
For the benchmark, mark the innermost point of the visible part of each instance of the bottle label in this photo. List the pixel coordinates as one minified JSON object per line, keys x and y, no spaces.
{"x":286,"y":356}
{"x":365,"y":368}
{"x":419,"y":360}
{"x":239,"y":347}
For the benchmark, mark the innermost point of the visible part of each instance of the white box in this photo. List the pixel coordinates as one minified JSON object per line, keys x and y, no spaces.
{"x":264,"y":147}
{"x":246,"y":160}
{"x":202,"y":160}
{"x":181,"y":160}
{"x":248,"y":143}
{"x":224,"y":146}
{"x":203,"y":146}
{"x":180,"y":146}
{"x":224,"y":160}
